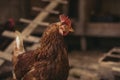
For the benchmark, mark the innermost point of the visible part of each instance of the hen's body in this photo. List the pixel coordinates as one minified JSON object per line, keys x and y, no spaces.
{"x":48,"y":62}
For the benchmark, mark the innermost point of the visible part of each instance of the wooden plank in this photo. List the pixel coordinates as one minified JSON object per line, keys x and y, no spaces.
{"x":116,"y":69}
{"x":29,"y":21}
{"x":82,"y":25}
{"x":109,"y":54}
{"x":103,"y":29}
{"x":9,"y":49}
{"x":110,"y":60}
{"x":26,"y":38}
{"x":60,"y":1}
{"x":115,"y":56}
{"x":116,"y":49}
{"x":28,"y":30}
{"x":39,"y":18}
{"x":102,"y":59}
{"x":41,"y":9}
{"x":65,"y":8}
{"x":110,"y":64}
{"x":112,"y":51}
{"x":100,"y":30}
{"x":1,"y":61}
{"x":25,"y":20}
{"x":6,"y":56}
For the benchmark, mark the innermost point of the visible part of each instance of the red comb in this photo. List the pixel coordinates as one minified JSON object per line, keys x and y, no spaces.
{"x":65,"y":19}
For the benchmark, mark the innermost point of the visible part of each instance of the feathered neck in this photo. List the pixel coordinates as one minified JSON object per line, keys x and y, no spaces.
{"x":51,"y":36}
{"x":51,"y":42}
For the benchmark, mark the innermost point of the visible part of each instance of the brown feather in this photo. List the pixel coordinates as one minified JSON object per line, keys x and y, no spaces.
{"x":49,"y":62}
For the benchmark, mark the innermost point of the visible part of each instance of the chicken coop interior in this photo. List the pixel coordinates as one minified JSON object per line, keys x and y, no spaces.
{"x":93,"y":48}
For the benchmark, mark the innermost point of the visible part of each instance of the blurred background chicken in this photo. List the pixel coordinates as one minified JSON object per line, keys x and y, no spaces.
{"x":50,"y":60}
{"x":7,"y":25}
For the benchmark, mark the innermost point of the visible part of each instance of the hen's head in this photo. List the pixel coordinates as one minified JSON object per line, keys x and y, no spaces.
{"x":65,"y":25}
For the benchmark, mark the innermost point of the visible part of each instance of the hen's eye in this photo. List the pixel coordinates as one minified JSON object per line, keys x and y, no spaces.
{"x":63,"y":23}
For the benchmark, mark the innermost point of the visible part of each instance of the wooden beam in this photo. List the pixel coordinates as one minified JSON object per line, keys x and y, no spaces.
{"x":103,"y":29}
{"x":115,"y":49}
{"x":28,"y":30}
{"x":29,"y":21}
{"x":116,"y":69}
{"x":1,"y":61}
{"x":26,"y":38}
{"x":114,"y":65}
{"x":114,"y":56}
{"x":82,"y":24}
{"x":41,"y":9}
{"x":60,"y":1}
{"x":39,"y":18}
{"x":109,"y":62}
{"x":7,"y":56}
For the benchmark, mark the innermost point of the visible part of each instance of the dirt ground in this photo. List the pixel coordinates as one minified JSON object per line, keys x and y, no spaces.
{"x":85,"y":66}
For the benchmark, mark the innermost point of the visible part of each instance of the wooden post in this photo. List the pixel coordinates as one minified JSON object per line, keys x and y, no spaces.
{"x":82,"y":17}
{"x":65,"y":8}
{"x":41,"y":9}
{"x":25,"y":7}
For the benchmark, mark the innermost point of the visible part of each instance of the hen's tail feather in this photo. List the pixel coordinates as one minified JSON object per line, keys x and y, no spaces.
{"x":19,"y":47}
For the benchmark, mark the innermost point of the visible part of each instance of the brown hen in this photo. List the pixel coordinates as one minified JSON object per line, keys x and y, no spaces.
{"x":50,"y":60}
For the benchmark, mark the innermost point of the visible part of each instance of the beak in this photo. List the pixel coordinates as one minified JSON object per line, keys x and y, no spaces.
{"x":71,"y":30}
